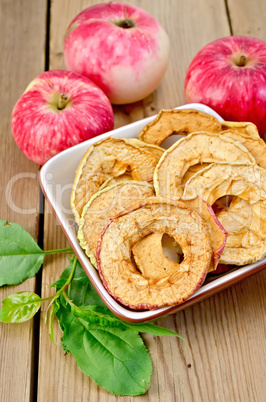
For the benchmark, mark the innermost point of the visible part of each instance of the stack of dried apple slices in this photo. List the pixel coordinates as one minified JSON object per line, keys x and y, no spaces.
{"x":129,"y":193}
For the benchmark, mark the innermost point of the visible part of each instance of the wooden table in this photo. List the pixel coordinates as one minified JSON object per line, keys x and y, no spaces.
{"x":224,"y":358}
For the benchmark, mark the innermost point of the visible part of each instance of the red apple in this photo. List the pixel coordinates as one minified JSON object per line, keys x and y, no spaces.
{"x":229,"y":75}
{"x":59,"y":109}
{"x":120,"y":47}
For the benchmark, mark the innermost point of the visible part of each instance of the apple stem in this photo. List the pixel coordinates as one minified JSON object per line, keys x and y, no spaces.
{"x":63,"y":98}
{"x":242,"y":61}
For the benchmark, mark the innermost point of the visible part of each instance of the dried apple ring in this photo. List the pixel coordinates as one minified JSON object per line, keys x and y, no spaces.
{"x":111,"y":157}
{"x":247,"y":134}
{"x":148,"y":251}
{"x":154,"y":149}
{"x":178,"y":121}
{"x":118,"y":272}
{"x":246,"y":241}
{"x":104,"y":205}
{"x":191,"y":171}
{"x":254,"y":144}
{"x":246,"y":128}
{"x":111,"y":181}
{"x":196,"y":148}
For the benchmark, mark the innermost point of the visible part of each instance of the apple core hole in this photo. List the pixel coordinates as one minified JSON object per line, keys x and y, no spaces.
{"x":125,"y":24}
{"x":233,"y":212}
{"x":169,"y":141}
{"x":222,"y":203}
{"x":134,"y":263}
{"x":172,"y":250}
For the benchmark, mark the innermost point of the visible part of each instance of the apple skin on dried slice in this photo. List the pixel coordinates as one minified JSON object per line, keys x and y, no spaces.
{"x":118,"y":272}
{"x":218,"y":234}
{"x":196,"y":148}
{"x":175,"y":121}
{"x":221,"y":269}
{"x":103,"y":206}
{"x":246,"y":241}
{"x":111,"y":157}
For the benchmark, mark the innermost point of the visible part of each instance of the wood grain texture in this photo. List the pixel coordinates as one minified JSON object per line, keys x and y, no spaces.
{"x":223,"y":356}
{"x":22,"y":58}
{"x":248,"y":17}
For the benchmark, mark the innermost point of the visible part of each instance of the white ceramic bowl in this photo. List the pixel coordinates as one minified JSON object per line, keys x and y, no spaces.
{"x":56,"y":178}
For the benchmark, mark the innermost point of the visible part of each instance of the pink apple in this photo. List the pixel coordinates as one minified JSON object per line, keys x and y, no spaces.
{"x":229,"y":75}
{"x":59,"y":109}
{"x":120,"y":47}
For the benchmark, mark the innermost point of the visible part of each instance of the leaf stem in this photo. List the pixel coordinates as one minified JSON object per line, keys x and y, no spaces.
{"x":68,"y":300}
{"x":69,"y":279}
{"x":72,"y":272}
{"x":36,"y":301}
{"x":63,"y":288}
{"x":61,"y":250}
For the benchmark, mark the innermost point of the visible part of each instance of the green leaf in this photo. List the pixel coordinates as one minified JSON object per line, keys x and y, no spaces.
{"x":115,"y":359}
{"x":106,"y":348}
{"x":101,"y":349}
{"x":152,"y":329}
{"x":102,"y":316}
{"x":19,"y":307}
{"x":97,"y":317}
{"x":20,"y":256}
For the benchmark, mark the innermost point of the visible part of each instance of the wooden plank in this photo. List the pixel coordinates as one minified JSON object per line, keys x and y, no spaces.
{"x":22,"y":27}
{"x":226,"y":334}
{"x":248,"y":17}
{"x":190,"y":26}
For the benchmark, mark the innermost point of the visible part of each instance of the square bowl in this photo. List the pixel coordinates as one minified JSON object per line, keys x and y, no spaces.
{"x":56,"y":179}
